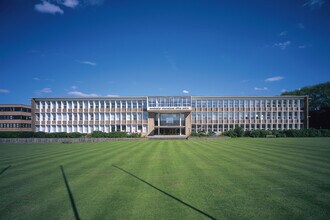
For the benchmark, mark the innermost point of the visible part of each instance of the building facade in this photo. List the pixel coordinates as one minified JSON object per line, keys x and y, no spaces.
{"x":169,"y":115}
{"x":15,"y":117}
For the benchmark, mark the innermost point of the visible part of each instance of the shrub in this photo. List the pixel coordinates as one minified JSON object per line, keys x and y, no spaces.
{"x":199,"y":134}
{"x":230,"y":133}
{"x":239,"y":131}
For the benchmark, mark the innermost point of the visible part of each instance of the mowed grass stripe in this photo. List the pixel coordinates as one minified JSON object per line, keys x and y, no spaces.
{"x":290,"y":161}
{"x":221,"y":182}
{"x":228,"y":179}
{"x":308,"y":153}
{"x":305,"y":148}
{"x":115,"y":187}
{"x":284,"y":161}
{"x":145,"y":201}
{"x":43,"y":175}
{"x":77,"y":149}
{"x":57,"y":149}
{"x":252,"y":185}
{"x":78,"y":154}
{"x":297,"y":180}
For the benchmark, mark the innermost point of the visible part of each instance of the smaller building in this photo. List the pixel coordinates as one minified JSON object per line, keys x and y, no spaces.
{"x":15,"y":117}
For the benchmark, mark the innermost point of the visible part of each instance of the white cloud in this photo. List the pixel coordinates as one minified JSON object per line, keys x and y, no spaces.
{"x":36,"y":78}
{"x":74,"y":87}
{"x":81,"y":94}
{"x":87,"y":63}
{"x":282,"y":45}
{"x":70,"y":3}
{"x":46,"y":7}
{"x":302,"y":46}
{"x":4,"y":91}
{"x":283,"y":33}
{"x":46,"y":90}
{"x":185,"y":91}
{"x":314,"y":4}
{"x":260,"y":88}
{"x":275,"y":78}
{"x":112,"y":95}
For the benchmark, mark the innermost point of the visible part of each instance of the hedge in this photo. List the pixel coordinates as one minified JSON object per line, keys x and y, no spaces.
{"x":96,"y":134}
{"x":100,"y":134}
{"x":199,"y":134}
{"x":312,"y":132}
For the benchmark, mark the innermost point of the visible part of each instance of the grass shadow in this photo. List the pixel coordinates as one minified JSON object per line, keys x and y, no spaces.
{"x":73,"y":204}
{"x":4,"y":170}
{"x":167,"y":194}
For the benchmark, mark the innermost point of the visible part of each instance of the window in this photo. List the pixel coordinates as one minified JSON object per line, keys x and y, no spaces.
{"x":251,"y":103}
{"x":209,"y":104}
{"x":230,"y":103}
{"x":236,"y":103}
{"x":140,"y":104}
{"x":220,"y":104}
{"x":199,"y":105}
{"x":193,"y":116}
{"x":145,"y":115}
{"x":241,"y":103}
{"x":123,"y":104}
{"x":257,"y":103}
{"x":139,"y":116}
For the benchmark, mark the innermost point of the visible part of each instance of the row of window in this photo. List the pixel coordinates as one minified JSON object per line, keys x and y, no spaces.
{"x":14,"y":125}
{"x":125,"y":104}
{"x":168,"y":101}
{"x":171,"y":102}
{"x":247,"y":103}
{"x":245,"y":115}
{"x":91,"y":128}
{"x":135,"y":116}
{"x":226,"y":127}
{"x":14,"y":117}
{"x":14,"y":109}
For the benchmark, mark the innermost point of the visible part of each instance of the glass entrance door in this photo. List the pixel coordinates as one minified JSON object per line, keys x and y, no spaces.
{"x":169,"y":131}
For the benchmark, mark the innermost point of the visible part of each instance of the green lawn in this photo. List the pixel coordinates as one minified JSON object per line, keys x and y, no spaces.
{"x":195,"y":179}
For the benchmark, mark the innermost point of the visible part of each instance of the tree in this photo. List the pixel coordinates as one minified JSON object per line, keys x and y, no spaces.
{"x":319,"y":103}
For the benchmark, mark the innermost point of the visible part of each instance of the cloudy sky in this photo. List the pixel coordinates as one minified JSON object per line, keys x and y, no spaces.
{"x":77,"y":48}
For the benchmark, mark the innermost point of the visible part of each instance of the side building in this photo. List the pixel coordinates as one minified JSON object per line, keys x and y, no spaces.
{"x":169,"y":115}
{"x":15,"y":117}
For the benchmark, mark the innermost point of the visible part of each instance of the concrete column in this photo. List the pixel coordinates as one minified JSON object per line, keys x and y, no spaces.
{"x":187,"y":123}
{"x":151,"y":123}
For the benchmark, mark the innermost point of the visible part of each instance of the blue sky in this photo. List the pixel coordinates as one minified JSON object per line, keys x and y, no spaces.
{"x":75,"y":48}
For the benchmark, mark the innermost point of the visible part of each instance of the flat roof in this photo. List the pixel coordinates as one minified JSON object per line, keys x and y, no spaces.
{"x":145,"y":97}
{"x":15,"y":105}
